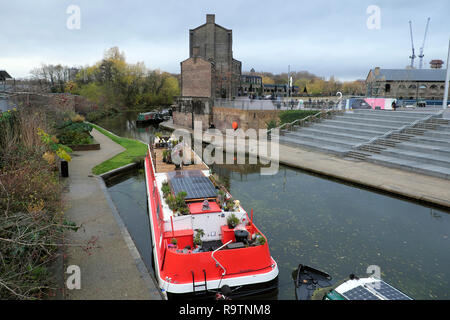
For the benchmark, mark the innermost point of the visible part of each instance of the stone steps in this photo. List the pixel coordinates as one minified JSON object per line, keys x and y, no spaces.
{"x":430,"y":141}
{"x":410,"y":165}
{"x":326,"y":140}
{"x":356,"y":137}
{"x":444,"y":135}
{"x":323,"y":147}
{"x":424,"y":148}
{"x":421,"y":157}
{"x":387,"y":116}
{"x":360,"y":125}
{"x":355,"y":131}
{"x":368,"y":120}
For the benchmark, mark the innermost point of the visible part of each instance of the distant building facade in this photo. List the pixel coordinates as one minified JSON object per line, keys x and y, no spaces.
{"x":251,"y":85}
{"x":409,"y":84}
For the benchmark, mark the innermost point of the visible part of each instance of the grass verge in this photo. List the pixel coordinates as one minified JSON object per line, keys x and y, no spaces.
{"x":135,"y":151}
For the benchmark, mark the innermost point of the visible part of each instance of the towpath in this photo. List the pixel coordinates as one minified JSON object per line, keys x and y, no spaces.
{"x":110,"y":265}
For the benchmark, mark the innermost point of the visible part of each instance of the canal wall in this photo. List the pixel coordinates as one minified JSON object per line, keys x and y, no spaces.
{"x":410,"y":185}
{"x":63,"y":101}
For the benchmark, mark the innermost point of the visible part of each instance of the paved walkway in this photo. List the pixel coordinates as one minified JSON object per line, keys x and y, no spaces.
{"x":109,"y":263}
{"x":404,"y":183}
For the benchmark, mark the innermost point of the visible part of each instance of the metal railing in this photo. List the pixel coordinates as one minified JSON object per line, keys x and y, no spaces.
{"x":217,"y":262}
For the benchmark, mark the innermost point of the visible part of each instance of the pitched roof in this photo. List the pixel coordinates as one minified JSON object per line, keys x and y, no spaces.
{"x":410,"y":74}
{"x":4,"y":75}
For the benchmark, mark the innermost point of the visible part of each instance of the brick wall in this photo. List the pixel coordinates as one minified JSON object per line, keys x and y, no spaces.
{"x":185,"y":119}
{"x":196,"y":78}
{"x":223,"y":118}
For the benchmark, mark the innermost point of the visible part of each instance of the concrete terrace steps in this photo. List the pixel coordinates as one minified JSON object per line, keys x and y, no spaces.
{"x":430,"y":141}
{"x":327,"y":139}
{"x":387,"y":116}
{"x":444,"y":135}
{"x":389,"y":122}
{"x":360,"y":125}
{"x":413,"y":114}
{"x":324,"y":147}
{"x":438,"y":160}
{"x":355,"y":136}
{"x":355,"y":131}
{"x":424,"y":148}
{"x":411,"y":165}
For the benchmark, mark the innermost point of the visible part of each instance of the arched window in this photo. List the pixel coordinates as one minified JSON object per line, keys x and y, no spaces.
{"x":434,"y":88}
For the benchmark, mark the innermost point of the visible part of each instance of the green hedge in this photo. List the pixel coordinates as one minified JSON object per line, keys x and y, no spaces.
{"x":291,"y":115}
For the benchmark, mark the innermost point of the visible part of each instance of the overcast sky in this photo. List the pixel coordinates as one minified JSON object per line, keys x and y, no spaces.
{"x":324,"y":37}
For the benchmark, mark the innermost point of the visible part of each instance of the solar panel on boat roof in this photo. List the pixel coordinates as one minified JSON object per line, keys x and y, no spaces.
{"x":388,"y":291}
{"x":359,"y":293}
{"x":381,"y":288}
{"x":196,"y":187}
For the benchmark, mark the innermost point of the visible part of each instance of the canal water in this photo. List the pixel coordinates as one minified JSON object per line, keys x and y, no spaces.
{"x":335,"y":227}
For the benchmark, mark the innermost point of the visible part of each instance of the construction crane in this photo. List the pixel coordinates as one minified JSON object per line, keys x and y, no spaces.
{"x":421,"y":55}
{"x":413,"y":56}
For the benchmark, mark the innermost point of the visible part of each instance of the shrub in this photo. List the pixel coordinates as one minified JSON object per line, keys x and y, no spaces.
{"x":288,"y":116}
{"x":73,"y":138}
{"x":232,"y":221}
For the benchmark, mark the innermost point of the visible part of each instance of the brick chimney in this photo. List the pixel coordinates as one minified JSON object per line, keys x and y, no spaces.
{"x":211,"y":18}
{"x":377,"y":71}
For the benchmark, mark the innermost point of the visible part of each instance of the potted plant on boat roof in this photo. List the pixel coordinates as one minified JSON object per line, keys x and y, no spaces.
{"x":229,"y":205}
{"x":164,"y":154}
{"x":232,"y":221}
{"x":198,"y":237}
{"x":165,"y":189}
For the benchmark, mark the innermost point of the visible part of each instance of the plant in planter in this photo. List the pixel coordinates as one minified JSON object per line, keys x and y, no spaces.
{"x":198,"y":237}
{"x":164,"y":154}
{"x":232,"y":221}
{"x":174,"y":241}
{"x":260,"y":240}
{"x":171,"y":202}
{"x":165,"y":189}
{"x":221,"y":197}
{"x":184,"y":211}
{"x":229,"y":205}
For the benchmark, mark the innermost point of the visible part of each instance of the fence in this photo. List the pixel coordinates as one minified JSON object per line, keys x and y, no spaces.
{"x":286,"y":104}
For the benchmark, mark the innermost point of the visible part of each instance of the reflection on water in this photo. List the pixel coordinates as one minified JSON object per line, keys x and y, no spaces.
{"x":333,"y":227}
{"x":341,"y":229}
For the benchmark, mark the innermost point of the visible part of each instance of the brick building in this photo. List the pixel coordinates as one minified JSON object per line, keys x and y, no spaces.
{"x":426,"y":84}
{"x":210,"y":71}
